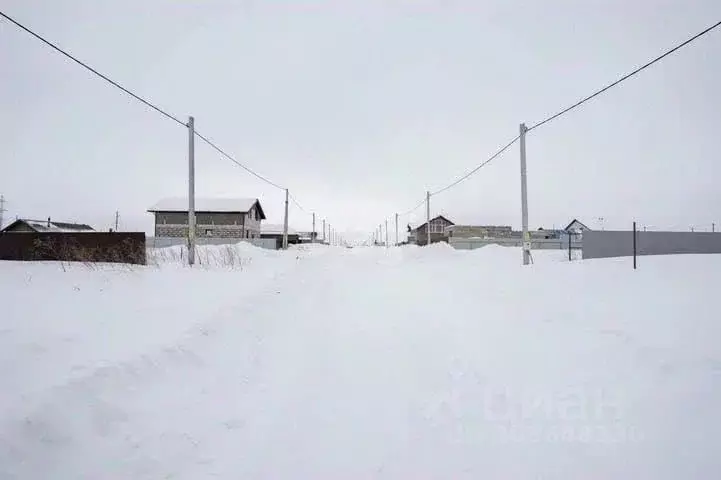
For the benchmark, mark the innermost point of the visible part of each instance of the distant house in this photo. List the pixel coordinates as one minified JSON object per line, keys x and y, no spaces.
{"x":214,"y":217}
{"x":275,"y":232}
{"x":439,"y":233}
{"x":573,"y":232}
{"x":26,"y":225}
{"x":576,"y":227}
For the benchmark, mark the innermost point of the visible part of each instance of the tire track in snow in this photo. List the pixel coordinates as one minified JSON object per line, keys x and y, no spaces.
{"x":42,"y":433}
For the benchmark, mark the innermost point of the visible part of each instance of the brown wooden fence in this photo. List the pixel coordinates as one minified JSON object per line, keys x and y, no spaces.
{"x":115,"y":247}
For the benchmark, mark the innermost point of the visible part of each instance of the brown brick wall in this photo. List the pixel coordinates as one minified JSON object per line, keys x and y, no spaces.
{"x":120,"y":247}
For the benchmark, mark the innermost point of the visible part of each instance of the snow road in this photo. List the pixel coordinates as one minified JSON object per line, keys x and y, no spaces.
{"x":363,"y":363}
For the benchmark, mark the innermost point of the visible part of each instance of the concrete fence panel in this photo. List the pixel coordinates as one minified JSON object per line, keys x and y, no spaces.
{"x":460,"y":243}
{"x":614,"y":243}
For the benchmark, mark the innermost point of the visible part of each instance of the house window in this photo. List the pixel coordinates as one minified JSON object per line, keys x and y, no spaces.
{"x":436,"y":228}
{"x":208,"y":233}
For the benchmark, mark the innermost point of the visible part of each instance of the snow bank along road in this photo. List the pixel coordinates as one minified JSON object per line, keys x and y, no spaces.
{"x":417,"y":363}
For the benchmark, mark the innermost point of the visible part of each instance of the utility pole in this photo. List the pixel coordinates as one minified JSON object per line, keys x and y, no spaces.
{"x":526,"y":244}
{"x":285,"y":223}
{"x":117,"y":219}
{"x":396,"y":229}
{"x":2,"y":210}
{"x":191,"y":190}
{"x":312,"y":235}
{"x":386,"y":233}
{"x":428,"y":217}
{"x":569,"y":246}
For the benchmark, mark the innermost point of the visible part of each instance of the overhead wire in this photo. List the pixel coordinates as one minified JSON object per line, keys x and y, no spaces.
{"x":91,"y":69}
{"x":257,"y":175}
{"x":578,"y":104}
{"x":232,"y":159}
{"x":293,"y":199}
{"x":137,"y":97}
{"x":481,"y":165}
{"x":412,"y":209}
{"x":626,"y":77}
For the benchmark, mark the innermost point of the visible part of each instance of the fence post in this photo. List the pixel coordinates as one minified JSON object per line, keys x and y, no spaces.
{"x":634,"y":245}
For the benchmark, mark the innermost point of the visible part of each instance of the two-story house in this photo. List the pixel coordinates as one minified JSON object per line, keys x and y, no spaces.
{"x":214,"y":217}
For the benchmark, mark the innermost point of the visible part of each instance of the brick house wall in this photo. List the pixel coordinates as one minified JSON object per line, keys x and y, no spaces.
{"x":209,"y":224}
{"x":252,"y":222}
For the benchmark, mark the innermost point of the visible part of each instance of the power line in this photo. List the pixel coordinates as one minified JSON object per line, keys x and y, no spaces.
{"x":88,"y":67}
{"x":292,"y":198}
{"x":135,"y":96}
{"x":230,"y":157}
{"x":625,"y":77}
{"x":142,"y":100}
{"x":412,"y":209}
{"x":486,"y":162}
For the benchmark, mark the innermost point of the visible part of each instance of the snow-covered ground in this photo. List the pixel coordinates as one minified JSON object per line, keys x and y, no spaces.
{"x":361,"y":363}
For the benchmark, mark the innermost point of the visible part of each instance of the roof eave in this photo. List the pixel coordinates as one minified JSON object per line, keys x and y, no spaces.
{"x":260,"y":209}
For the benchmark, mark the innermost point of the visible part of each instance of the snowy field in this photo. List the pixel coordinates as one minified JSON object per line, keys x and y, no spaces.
{"x":407,"y":363}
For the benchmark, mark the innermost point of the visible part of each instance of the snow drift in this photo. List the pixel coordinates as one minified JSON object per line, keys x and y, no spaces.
{"x":362,"y":363}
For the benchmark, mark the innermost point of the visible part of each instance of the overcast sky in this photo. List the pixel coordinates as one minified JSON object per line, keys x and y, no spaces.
{"x":361,"y":106}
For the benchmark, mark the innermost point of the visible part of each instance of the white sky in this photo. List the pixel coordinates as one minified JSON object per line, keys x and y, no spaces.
{"x":360,"y":106}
